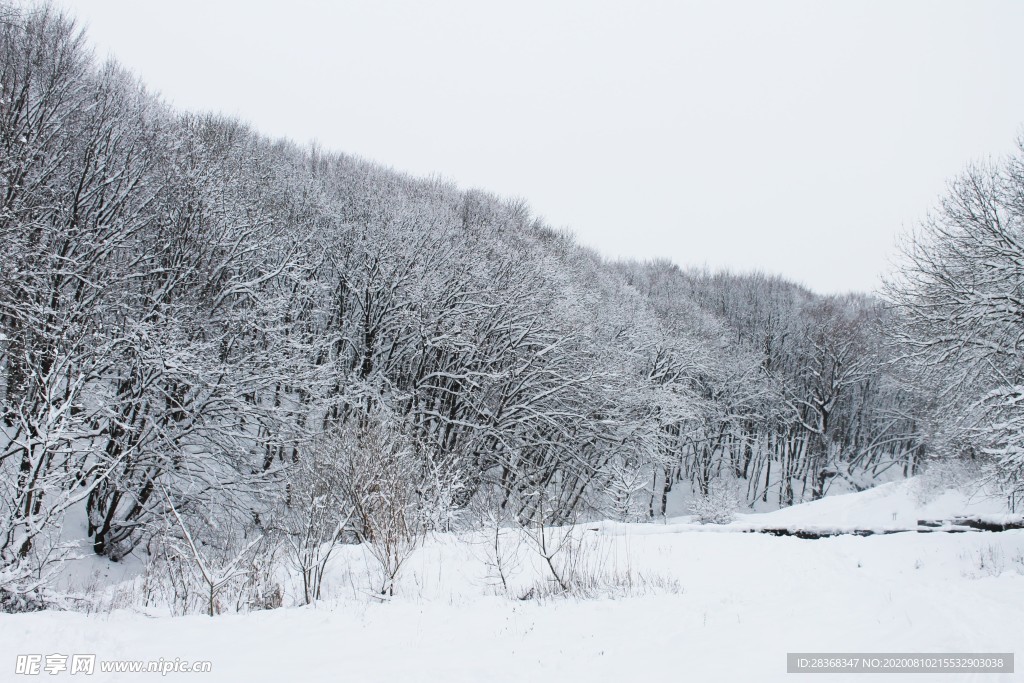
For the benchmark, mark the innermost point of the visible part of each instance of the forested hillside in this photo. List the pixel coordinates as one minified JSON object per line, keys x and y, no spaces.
{"x":211,"y":340}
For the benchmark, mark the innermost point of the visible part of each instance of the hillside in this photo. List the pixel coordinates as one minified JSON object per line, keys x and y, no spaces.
{"x":203,"y":329}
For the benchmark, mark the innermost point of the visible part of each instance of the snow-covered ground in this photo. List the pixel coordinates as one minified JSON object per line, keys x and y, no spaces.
{"x":702,"y":607}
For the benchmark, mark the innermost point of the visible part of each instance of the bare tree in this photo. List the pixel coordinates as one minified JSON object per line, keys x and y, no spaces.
{"x":959,"y":300}
{"x":317,"y":511}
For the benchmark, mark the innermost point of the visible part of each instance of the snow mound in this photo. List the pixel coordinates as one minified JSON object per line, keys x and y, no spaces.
{"x":898,"y":505}
{"x":888,"y":507}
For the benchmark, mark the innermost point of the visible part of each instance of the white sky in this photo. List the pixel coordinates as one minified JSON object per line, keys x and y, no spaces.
{"x":792,"y":137}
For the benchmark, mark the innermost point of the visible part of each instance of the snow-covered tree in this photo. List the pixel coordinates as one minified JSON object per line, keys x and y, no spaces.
{"x":959,"y":300}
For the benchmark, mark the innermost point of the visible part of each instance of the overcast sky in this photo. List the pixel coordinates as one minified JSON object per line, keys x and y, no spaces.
{"x":792,"y":137}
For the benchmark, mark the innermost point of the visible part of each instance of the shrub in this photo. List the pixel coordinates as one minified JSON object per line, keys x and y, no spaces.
{"x":719,"y":504}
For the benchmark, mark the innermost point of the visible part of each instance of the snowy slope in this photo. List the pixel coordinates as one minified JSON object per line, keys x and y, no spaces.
{"x":895,"y":505}
{"x":718,"y":607}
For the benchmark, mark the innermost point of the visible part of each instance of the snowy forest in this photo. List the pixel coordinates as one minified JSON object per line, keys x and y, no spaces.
{"x":230,"y":349}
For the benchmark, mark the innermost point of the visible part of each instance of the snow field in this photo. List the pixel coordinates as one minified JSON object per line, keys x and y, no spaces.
{"x":658,"y":602}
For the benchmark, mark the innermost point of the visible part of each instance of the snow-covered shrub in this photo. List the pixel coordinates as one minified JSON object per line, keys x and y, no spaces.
{"x":578,"y":562}
{"x":317,"y":511}
{"x":25,"y":578}
{"x":719,"y":504}
{"x":501,"y":538}
{"x":591,"y":569}
{"x":626,"y":482}
{"x":206,"y":557}
{"x":380,"y":485}
{"x":31,"y":600}
{"x":440,"y":488}
{"x":558,"y":545}
{"x":261,"y":590}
